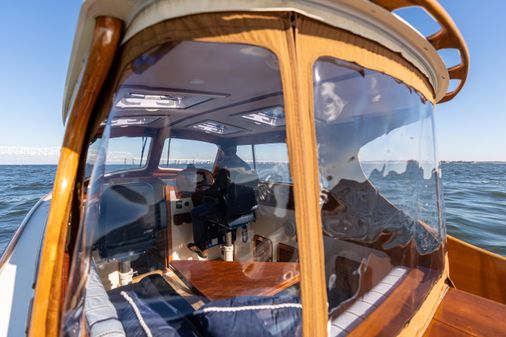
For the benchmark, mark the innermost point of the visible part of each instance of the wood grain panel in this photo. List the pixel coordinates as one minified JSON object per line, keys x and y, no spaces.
{"x":221,"y":279}
{"x":476,"y":270}
{"x":448,"y":36}
{"x":438,"y":329}
{"x":48,"y":298}
{"x":469,"y":314}
{"x":397,"y":309}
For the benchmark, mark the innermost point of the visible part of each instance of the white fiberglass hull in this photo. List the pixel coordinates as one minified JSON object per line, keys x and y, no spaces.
{"x":18,"y":268}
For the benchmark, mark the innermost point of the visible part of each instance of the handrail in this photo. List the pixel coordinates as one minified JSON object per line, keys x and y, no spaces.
{"x":448,"y":37}
{"x":47,"y":302}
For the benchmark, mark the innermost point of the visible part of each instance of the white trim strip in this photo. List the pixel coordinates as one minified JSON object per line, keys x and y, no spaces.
{"x":357,"y":312}
{"x":250,"y":307}
{"x":137,"y":313}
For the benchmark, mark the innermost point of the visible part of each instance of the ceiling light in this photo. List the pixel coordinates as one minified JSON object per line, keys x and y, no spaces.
{"x":146,"y":99}
{"x":273,"y":116}
{"x":215,"y":127}
{"x":129,"y":121}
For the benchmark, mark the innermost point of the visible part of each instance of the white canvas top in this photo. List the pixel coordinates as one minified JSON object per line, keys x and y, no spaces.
{"x":360,"y":17}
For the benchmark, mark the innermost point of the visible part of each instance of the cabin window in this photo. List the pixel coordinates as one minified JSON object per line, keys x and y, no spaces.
{"x":380,"y":202}
{"x":246,"y":152}
{"x":272,"y":162}
{"x":197,"y":232}
{"x":179,"y":153}
{"x":127,"y":153}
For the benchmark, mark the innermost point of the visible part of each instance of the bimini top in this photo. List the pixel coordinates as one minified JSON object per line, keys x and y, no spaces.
{"x":373,"y":20}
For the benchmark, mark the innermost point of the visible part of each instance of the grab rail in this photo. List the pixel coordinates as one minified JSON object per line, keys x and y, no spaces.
{"x":448,"y":37}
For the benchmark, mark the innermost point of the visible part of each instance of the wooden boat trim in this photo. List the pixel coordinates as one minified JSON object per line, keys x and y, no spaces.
{"x":476,"y":270}
{"x":448,"y":37}
{"x":464,"y":314}
{"x":47,"y":302}
{"x":421,"y":320}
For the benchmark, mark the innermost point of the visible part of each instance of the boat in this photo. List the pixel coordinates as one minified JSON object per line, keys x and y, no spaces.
{"x":251,"y":168}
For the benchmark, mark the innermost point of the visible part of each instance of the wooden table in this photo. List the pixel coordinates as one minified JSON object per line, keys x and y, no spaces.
{"x":221,"y":279}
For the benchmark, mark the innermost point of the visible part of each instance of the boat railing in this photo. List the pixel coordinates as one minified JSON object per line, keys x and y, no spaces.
{"x":448,"y":37}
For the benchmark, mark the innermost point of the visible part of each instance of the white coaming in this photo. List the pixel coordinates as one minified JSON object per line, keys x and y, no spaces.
{"x":17,"y":275}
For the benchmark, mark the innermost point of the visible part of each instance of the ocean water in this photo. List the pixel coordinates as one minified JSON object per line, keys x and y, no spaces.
{"x":474,"y":197}
{"x":475,"y":203}
{"x":21,"y":186}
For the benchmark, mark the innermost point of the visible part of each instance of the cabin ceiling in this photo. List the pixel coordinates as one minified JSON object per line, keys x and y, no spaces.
{"x":232,"y":79}
{"x":224,"y":82}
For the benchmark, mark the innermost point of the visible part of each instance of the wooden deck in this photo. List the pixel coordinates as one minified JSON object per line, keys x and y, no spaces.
{"x":463,"y":314}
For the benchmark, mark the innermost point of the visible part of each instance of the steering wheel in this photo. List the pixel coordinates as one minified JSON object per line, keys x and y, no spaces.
{"x":204,"y":179}
{"x":192,"y":179}
{"x":265,"y":187}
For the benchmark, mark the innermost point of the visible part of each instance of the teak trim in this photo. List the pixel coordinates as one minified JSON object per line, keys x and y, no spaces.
{"x":448,"y":37}
{"x":476,"y":270}
{"x":47,"y":303}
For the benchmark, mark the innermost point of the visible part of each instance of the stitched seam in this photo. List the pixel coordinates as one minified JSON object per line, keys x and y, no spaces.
{"x":137,"y":313}
{"x":250,"y":307}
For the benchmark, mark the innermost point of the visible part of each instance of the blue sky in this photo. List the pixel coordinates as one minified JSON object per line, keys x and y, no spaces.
{"x":36,"y":39}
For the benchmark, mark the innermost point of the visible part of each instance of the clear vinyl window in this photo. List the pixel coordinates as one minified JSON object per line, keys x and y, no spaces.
{"x":202,"y":230}
{"x":379,"y":182}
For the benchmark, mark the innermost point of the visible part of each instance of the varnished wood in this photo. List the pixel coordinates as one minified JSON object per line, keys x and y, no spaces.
{"x":464,"y":314}
{"x":399,"y":306}
{"x":438,"y":329}
{"x":221,"y":279}
{"x":448,"y":37}
{"x":476,"y":270}
{"x":168,"y":232}
{"x":47,"y":304}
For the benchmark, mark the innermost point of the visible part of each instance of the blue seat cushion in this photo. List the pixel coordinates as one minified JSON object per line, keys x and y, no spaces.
{"x":252,"y":317}
{"x":139,"y":320}
{"x":157,"y":294}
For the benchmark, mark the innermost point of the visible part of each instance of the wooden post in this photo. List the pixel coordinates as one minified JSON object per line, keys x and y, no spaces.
{"x":47,"y":303}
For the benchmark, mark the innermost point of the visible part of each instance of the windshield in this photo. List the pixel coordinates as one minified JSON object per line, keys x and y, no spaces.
{"x":199,"y":222}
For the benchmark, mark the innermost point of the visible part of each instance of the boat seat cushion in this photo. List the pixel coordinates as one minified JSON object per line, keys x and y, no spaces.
{"x":247,"y":316}
{"x":139,"y":320}
{"x":163,"y":300}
